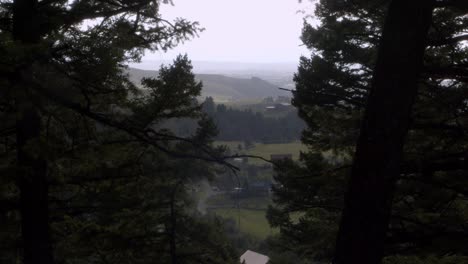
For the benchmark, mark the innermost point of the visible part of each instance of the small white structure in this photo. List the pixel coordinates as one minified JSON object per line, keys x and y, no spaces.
{"x":251,"y":257}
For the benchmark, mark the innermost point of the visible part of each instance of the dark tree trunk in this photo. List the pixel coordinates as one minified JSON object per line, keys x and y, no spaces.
{"x":173,"y":246}
{"x":379,"y":150}
{"x":32,"y":181}
{"x":32,"y":167}
{"x":173,"y":225}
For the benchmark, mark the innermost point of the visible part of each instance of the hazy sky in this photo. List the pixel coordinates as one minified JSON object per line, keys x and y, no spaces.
{"x":262,"y":31}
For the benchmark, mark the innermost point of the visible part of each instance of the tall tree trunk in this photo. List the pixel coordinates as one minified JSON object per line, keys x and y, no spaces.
{"x":379,"y":150}
{"x":32,"y":180}
{"x":173,"y":224}
{"x":32,"y":168}
{"x":172,"y":233}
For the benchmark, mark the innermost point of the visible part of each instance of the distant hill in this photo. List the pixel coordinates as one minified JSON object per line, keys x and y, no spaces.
{"x":223,"y":88}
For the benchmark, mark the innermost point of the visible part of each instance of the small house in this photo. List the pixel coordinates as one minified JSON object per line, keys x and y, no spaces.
{"x":251,"y":257}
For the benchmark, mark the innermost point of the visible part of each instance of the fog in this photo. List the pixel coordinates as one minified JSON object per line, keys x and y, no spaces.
{"x":268,"y":31}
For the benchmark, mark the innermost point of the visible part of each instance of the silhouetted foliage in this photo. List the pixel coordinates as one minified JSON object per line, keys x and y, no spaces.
{"x":88,"y":173}
{"x":428,"y":219}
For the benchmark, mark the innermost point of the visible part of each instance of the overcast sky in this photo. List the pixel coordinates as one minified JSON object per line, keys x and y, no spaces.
{"x":261,"y":31}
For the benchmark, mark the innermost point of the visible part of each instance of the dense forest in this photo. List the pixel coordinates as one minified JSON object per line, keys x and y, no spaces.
{"x":278,"y":125}
{"x":97,"y":167}
{"x":247,"y":125}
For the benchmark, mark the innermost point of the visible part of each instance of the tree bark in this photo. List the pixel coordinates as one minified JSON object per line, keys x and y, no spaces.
{"x":31,"y":166}
{"x":32,"y":183}
{"x":379,"y":149}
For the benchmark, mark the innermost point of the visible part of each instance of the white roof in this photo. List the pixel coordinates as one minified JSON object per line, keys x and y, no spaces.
{"x":251,"y":257}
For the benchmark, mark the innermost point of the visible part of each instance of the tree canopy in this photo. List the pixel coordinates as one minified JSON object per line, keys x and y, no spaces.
{"x":89,"y":175}
{"x":428,"y":219}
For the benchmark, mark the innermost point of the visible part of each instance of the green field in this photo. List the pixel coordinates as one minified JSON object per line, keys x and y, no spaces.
{"x":252,"y":213}
{"x":252,"y":222}
{"x":248,"y":203}
{"x":265,"y":150}
{"x":253,"y":210}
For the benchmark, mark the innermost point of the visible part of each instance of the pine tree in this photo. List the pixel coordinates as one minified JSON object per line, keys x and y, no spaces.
{"x":83,"y":149}
{"x":385,"y":122}
{"x":428,"y":219}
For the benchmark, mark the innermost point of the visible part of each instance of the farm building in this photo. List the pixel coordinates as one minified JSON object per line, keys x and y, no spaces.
{"x":251,"y":257}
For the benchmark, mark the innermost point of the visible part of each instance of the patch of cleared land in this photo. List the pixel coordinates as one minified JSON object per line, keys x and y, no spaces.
{"x":252,"y":222}
{"x":252,"y":212}
{"x":265,"y":150}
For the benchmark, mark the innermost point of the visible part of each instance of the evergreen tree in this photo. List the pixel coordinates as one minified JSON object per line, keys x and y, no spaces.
{"x":428,"y":218}
{"x":378,"y":156}
{"x":209,"y":105}
{"x":88,"y":167}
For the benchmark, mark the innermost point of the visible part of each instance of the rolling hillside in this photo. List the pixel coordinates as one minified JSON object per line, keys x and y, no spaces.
{"x":223,"y":88}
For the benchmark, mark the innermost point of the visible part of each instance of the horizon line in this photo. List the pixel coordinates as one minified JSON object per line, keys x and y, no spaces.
{"x":221,"y":61}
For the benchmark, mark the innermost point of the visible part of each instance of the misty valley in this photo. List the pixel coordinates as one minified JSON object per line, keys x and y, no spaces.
{"x":233,"y":132}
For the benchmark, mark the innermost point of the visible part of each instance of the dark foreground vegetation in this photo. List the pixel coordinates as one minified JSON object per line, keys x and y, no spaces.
{"x":391,"y":76}
{"x":87,"y":175}
{"x":97,"y":169}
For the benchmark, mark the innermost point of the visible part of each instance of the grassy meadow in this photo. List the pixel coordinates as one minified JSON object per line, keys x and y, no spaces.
{"x":252,"y":222}
{"x":252,"y":212}
{"x":265,"y":150}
